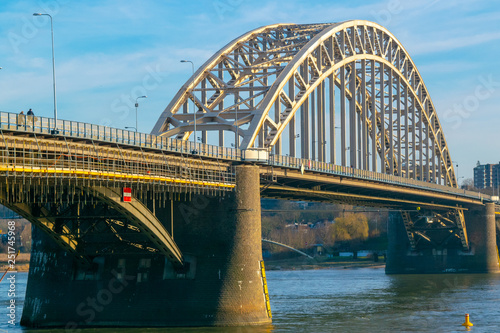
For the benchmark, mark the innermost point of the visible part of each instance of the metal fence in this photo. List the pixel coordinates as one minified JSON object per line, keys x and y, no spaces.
{"x":68,"y":128}
{"x":328,"y":168}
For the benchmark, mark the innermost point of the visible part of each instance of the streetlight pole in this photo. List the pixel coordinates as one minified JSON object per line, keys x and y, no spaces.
{"x":54,"y":131}
{"x":136,"y":106}
{"x":456,"y":164}
{"x":194,"y":106}
{"x":237,"y":129}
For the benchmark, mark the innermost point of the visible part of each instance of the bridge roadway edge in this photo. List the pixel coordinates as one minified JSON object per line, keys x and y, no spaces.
{"x":220,"y":238}
{"x":482,"y":257}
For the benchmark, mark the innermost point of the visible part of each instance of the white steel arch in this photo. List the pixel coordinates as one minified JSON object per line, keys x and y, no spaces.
{"x":281,"y":83}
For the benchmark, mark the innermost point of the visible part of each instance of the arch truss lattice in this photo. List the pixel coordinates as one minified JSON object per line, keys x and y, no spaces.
{"x":345,"y":93}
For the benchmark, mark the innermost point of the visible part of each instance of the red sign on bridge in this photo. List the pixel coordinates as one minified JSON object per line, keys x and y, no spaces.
{"x":127,"y":194}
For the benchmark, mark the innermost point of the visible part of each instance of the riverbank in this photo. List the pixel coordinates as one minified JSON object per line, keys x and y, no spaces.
{"x":299,"y":263}
{"x":22,"y":263}
{"x":304,"y":263}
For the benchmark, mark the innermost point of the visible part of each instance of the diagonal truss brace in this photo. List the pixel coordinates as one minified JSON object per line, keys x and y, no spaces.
{"x":409,"y":228}
{"x":462,"y":231}
{"x":453,"y":220}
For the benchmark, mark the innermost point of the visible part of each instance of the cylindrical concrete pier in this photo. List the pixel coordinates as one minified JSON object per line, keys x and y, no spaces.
{"x":481,"y":229}
{"x":241,"y":298}
{"x":221,"y":285}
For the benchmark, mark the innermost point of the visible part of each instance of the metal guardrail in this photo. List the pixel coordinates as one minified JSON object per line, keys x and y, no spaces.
{"x":309,"y":165}
{"x":43,"y":125}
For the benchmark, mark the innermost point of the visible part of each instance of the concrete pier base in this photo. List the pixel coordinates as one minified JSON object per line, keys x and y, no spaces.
{"x":220,"y":285}
{"x":482,"y":257}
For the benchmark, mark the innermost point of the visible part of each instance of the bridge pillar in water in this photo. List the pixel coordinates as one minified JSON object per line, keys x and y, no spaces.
{"x":482,"y":257}
{"x":220,"y":285}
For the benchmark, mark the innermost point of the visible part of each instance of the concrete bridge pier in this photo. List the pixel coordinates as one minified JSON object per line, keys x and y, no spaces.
{"x":221,"y":283}
{"x":427,"y":259}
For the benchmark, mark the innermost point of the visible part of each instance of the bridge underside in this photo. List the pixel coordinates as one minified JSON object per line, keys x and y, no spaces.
{"x":430,"y":232}
{"x":119,"y":275}
{"x":87,"y":222}
{"x":432,"y":245}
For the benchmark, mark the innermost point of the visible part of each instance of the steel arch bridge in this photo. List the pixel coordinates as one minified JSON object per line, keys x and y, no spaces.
{"x":345,"y":93}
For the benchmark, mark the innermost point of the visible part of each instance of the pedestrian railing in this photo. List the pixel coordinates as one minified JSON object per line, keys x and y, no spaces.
{"x":328,"y":168}
{"x":68,"y":128}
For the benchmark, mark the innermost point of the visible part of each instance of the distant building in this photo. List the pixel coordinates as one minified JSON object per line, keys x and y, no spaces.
{"x":487,"y":175}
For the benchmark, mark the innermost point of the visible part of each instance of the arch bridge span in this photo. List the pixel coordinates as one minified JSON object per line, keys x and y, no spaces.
{"x":344,"y":101}
{"x":345,"y":93}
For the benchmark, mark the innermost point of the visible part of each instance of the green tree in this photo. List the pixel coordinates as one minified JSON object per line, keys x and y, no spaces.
{"x":352,"y":227}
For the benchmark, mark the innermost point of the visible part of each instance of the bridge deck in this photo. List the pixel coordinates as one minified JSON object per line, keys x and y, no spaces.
{"x":301,"y":179}
{"x":11,"y":122}
{"x":82,"y":150}
{"x":84,"y":153}
{"x":355,"y":189}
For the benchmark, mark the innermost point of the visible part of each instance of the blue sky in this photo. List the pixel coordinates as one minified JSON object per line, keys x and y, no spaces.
{"x":108,"y":52}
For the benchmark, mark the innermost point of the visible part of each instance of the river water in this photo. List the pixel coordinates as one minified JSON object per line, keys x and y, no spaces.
{"x":350,"y":300}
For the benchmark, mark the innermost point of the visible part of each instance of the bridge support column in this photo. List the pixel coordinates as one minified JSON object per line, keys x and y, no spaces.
{"x":431,"y":258}
{"x":482,"y":236}
{"x":221,"y":284}
{"x":242,"y":299}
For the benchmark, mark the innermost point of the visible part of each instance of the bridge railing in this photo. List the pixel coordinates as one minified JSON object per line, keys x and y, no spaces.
{"x":299,"y":163}
{"x":43,"y":125}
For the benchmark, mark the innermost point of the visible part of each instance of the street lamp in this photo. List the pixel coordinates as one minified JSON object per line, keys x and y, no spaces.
{"x":136,"y":106}
{"x":194,"y":107}
{"x":54,"y":131}
{"x":237,"y":130}
{"x":458,"y":178}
